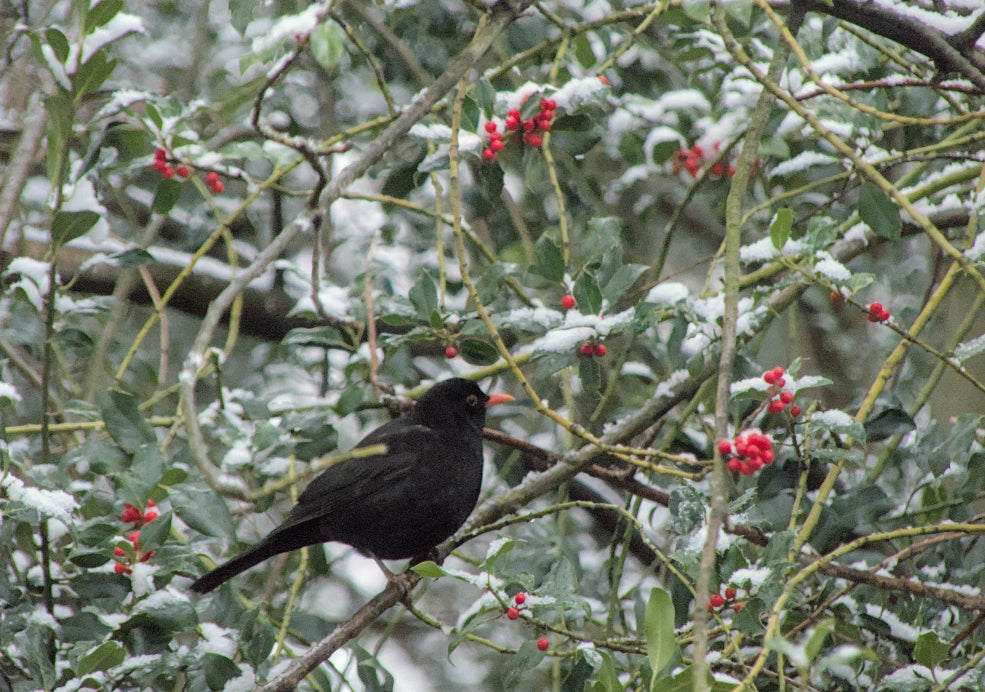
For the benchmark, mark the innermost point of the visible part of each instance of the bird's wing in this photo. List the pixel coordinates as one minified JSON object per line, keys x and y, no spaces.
{"x":350,"y":482}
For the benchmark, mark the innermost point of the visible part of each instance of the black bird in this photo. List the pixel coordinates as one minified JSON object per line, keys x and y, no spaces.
{"x":395,"y":505}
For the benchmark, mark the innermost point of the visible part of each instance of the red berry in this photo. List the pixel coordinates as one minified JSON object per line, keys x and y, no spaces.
{"x":778,"y":372}
{"x":160,"y":154}
{"x":734,"y":464}
{"x":716,"y":601}
{"x":512,"y":123}
{"x":725,"y":447}
{"x":543,"y":643}
{"x":568,"y":301}
{"x":167,"y":172}
{"x":451,"y":352}
{"x":587,"y":350}
{"x":118,"y":551}
{"x":122,"y":569}
{"x":182,"y":171}
{"x":494,"y":136}
{"x":515,"y":113}
{"x":150,"y":516}
{"x":795,"y":410}
{"x":786,"y":397}
{"x":769,"y":377}
{"x":737,"y":607}
{"x":544,"y":105}
{"x":529,"y":125}
{"x":775,"y":406}
{"x":884,"y":315}
{"x":217,"y":187}
{"x":211,"y":178}
{"x":512,"y":613}
{"x":544,"y":125}
{"x":600,"y":350}
{"x":730,"y":593}
{"x":134,"y":537}
{"x":496,"y":145}
{"x":520,"y":598}
{"x":490,"y":127}
{"x":129,"y":514}
{"x":151,"y":503}
{"x":533,"y":140}
{"x":875,"y":308}
{"x":488,"y":154}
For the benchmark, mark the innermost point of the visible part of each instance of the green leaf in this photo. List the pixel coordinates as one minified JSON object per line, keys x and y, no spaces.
{"x":586,"y":292}
{"x":88,"y":78}
{"x":885,"y":424}
{"x":58,"y":43}
{"x":100,"y":14}
{"x":817,"y":636}
{"x":930,"y":651}
{"x":698,"y":10}
{"x":424,"y":296}
{"x":327,"y":44}
{"x":967,"y":349}
{"x":470,"y":114}
{"x":838,"y":422}
{"x":167,"y":194}
{"x":219,"y":670}
{"x":478,"y":352}
{"x":658,"y":629}
{"x":154,"y":534}
{"x":880,"y":212}
{"x":69,"y":225}
{"x":202,"y":510}
{"x":583,"y":50}
{"x":549,"y":261}
{"x":124,"y":423}
{"x":323,"y":337}
{"x":241,"y":14}
{"x":780,"y":228}
{"x":103,"y":657}
{"x":133,"y":257}
{"x":429,"y":569}
{"x":485,"y":96}
{"x":621,"y":281}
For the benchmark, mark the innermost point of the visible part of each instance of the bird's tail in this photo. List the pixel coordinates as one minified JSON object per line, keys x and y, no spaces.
{"x":242,"y":562}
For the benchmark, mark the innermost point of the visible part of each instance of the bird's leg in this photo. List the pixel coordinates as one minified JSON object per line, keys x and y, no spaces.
{"x":402,"y":581}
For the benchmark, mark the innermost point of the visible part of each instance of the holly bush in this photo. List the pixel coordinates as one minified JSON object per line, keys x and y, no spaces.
{"x":727,"y":256}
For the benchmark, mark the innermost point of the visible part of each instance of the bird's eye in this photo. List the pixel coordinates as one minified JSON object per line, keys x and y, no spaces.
{"x":472,"y":400}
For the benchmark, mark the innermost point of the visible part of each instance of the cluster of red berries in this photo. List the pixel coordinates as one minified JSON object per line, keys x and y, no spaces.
{"x":132,"y":515}
{"x":590,"y":348}
{"x":162,"y":165}
{"x":692,"y":159}
{"x":213,"y":182}
{"x":568,"y":301}
{"x":513,"y":613}
{"x":716,"y":601}
{"x":774,"y":378}
{"x":877,"y":313}
{"x":748,"y":452}
{"x":530,"y":131}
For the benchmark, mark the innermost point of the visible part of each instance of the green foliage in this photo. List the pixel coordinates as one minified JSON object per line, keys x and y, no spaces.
{"x":855,"y":552}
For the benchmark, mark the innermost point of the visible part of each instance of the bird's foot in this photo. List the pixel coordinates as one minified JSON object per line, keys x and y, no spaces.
{"x":405,"y":581}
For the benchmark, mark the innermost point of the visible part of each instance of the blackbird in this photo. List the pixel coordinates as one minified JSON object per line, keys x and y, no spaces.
{"x":395,"y":505}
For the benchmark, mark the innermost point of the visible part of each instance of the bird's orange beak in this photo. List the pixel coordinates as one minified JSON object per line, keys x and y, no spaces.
{"x":495,"y":399}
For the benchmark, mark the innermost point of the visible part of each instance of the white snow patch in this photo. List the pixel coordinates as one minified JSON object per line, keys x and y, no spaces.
{"x":668,"y":293}
{"x":801,"y":162}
